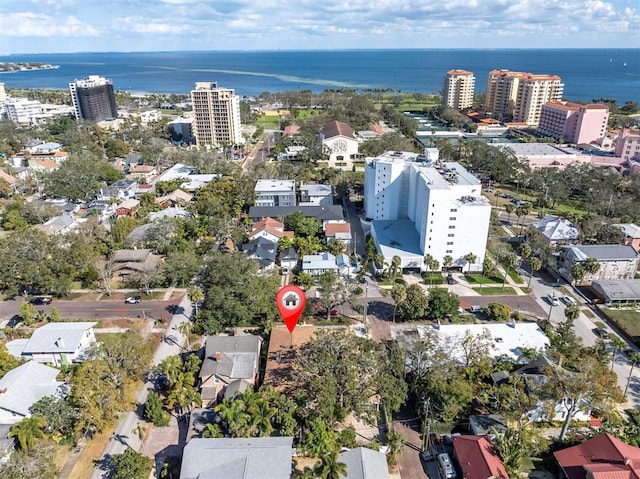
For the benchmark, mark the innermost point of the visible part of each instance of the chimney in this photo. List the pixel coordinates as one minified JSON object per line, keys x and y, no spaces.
{"x":218,"y":356}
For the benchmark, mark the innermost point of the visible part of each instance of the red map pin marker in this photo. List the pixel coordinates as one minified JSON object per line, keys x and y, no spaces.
{"x":291,"y":301}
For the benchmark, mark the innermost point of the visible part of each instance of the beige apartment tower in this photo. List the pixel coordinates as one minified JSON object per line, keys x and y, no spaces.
{"x":519,"y":96}
{"x":458,"y":89}
{"x":216,"y":115}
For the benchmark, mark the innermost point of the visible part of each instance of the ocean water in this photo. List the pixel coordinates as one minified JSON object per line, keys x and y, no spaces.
{"x":587,"y":74}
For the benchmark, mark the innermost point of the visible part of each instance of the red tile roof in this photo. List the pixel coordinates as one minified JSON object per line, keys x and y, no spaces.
{"x":337,"y":128}
{"x":291,"y":130}
{"x":376,"y":128}
{"x":330,"y":229}
{"x":478,"y":458}
{"x":604,"y":456}
{"x":272,"y":226}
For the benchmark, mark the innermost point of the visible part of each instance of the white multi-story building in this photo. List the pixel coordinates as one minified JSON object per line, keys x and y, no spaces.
{"x":216,"y":114}
{"x":426,"y":207}
{"x":275,"y":193}
{"x":23,"y":110}
{"x":458,"y":89}
{"x":519,"y":96}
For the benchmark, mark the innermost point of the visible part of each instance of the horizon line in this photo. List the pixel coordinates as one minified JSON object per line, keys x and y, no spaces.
{"x":272,"y":50}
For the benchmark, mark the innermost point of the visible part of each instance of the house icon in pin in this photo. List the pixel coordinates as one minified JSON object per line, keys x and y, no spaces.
{"x":291,"y":300}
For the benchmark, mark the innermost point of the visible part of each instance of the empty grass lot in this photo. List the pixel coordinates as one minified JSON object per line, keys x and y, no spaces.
{"x":626,"y":319}
{"x":495,"y":291}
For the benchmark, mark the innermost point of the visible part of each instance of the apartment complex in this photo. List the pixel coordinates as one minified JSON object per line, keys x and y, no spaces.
{"x":573,"y":123}
{"x":419,"y":205}
{"x":519,"y":96}
{"x":458,"y":89}
{"x":628,"y":145}
{"x":93,"y":99}
{"x":272,"y":193}
{"x":216,"y":114}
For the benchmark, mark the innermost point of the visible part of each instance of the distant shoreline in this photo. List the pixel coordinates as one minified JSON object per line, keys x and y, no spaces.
{"x":11,"y":67}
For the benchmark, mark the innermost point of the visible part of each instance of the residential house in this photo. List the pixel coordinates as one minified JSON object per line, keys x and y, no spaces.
{"x":364,"y":463}
{"x":275,"y":193}
{"x":617,"y":291}
{"x":554,"y":230}
{"x":189,"y":174}
{"x":58,"y":225}
{"x":104,"y":209}
{"x":56,"y":343}
{"x":48,"y":147}
{"x":7,"y":443}
{"x":42,"y":165}
{"x":316,"y":264}
{"x":288,"y":258}
{"x":484,"y":424}
{"x":120,"y":190}
{"x":600,"y":457}
{"x":338,"y":230}
{"x":128,"y":207}
{"x":323,"y":213}
{"x":11,"y":180}
{"x":23,"y":386}
{"x":340,"y":141}
{"x":246,"y":458}
{"x":143,"y":173}
{"x":175,"y":198}
{"x":228,"y":360}
{"x":616,"y":261}
{"x":631,"y":234}
{"x":292,"y":152}
{"x":270,"y":229}
{"x":283,"y":350}
{"x":170,"y":212}
{"x":128,"y":262}
{"x":291,"y":131}
{"x":262,"y":249}
{"x":478,"y":458}
{"x":318,"y":195}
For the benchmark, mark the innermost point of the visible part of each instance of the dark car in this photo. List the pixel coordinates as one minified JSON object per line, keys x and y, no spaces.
{"x":450,"y":279}
{"x":603,"y":333}
{"x":42,"y":300}
{"x":133,"y":300}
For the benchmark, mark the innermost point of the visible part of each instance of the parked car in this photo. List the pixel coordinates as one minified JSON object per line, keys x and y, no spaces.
{"x":333,"y":312}
{"x":450,"y":279}
{"x":133,"y":300}
{"x":42,"y":300}
{"x":568,"y":300}
{"x":553,"y":299}
{"x":603,"y":333}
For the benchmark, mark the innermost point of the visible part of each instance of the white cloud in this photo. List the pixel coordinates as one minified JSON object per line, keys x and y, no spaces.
{"x":29,"y":24}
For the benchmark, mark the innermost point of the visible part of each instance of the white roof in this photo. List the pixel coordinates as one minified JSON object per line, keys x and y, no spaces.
{"x":319,"y":261}
{"x":267,"y":186}
{"x":557,"y":229}
{"x":57,"y":338}
{"x":317,"y":190}
{"x":25,"y":385}
{"x":507,"y":338}
{"x":631,"y":230}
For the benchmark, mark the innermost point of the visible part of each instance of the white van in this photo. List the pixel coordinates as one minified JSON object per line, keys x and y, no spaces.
{"x":446,"y":468}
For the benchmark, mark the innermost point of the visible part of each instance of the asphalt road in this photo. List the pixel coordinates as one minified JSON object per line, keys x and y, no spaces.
{"x":96,"y":310}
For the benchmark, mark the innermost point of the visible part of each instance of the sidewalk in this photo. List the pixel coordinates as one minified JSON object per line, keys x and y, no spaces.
{"x":123,"y":435}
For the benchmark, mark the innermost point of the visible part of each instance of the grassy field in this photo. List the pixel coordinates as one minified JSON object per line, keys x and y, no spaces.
{"x":432,"y":277}
{"x":512,"y":274}
{"x":495,"y":291}
{"x":477,"y":278}
{"x":626,"y":319}
{"x":269,"y":122}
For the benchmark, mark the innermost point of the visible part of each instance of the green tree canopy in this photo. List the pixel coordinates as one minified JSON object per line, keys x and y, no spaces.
{"x":415,"y":306}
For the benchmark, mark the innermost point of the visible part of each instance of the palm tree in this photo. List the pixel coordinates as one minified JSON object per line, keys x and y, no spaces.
{"x":470,"y":258}
{"x":535,"y":264}
{"x":509,"y":208}
{"x":432,"y":264}
{"x":261,"y":413}
{"x":398,"y":294}
{"x":572,"y":312}
{"x":396,"y":444}
{"x":329,"y":467}
{"x":393,"y":268}
{"x":233,"y":413}
{"x":510,"y":261}
{"x":195,"y":296}
{"x":591,"y":266}
{"x":184,"y":328}
{"x":447,"y":261}
{"x":27,"y":431}
{"x":618,"y":345}
{"x":578,"y":272}
{"x":635,"y":359}
{"x":212,"y":431}
{"x":524,"y":211}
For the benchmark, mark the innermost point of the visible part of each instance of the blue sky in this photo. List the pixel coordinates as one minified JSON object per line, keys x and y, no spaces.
{"x":49,"y":26}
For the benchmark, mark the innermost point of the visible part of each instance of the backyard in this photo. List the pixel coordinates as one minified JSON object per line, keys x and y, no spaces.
{"x":626,"y":319}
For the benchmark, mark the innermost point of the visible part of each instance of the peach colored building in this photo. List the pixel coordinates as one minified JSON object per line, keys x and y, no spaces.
{"x":628,"y":145}
{"x":573,"y":123}
{"x":458,"y":89}
{"x":519,"y":96}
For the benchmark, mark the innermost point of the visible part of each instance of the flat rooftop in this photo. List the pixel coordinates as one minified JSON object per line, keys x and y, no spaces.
{"x":538,"y":149}
{"x":444,"y":175}
{"x":265,"y":186}
{"x":399,"y":238}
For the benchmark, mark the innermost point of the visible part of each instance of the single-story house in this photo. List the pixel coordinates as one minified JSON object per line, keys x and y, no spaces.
{"x":478,"y":458}
{"x":58,"y":225}
{"x":175,"y":198}
{"x":228,"y":359}
{"x":554,"y":230}
{"x":132,"y":261}
{"x":618,"y":291}
{"x":56,"y":343}
{"x":288,"y":258}
{"x":23,"y":386}
{"x":338,"y":231}
{"x":601,"y":457}
{"x":316,"y":264}
{"x":246,"y":458}
{"x":364,"y":463}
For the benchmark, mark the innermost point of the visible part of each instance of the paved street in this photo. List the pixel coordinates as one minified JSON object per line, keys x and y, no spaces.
{"x":172,"y":343}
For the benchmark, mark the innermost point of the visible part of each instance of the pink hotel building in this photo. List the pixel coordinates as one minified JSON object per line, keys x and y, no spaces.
{"x":573,"y":123}
{"x":628,"y":145}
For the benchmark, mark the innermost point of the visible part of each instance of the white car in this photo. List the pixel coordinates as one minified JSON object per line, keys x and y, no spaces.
{"x":568,"y":300}
{"x":553,"y":299}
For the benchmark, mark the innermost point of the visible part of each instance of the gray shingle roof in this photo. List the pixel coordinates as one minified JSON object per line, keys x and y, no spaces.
{"x":238,"y":356}
{"x":47,"y":338}
{"x":363,"y":463}
{"x":618,"y":289}
{"x":608,"y":252}
{"x":26,"y":384}
{"x":239,"y":458}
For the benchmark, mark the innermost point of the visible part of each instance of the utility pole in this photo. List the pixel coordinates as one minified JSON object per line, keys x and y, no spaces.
{"x":426,"y":423}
